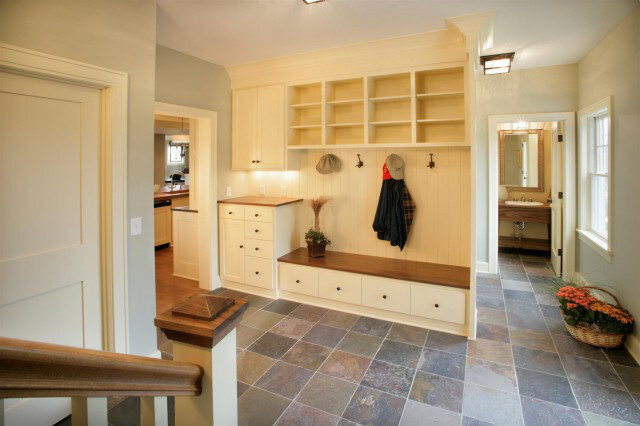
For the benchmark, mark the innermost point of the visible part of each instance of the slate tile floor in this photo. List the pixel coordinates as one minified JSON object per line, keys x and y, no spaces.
{"x":302,"y":365}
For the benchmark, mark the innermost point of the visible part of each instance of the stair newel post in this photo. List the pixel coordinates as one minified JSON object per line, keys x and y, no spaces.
{"x":203,"y":332}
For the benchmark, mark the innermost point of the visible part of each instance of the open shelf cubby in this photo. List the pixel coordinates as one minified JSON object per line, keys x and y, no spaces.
{"x":443,"y":132}
{"x":306,"y":136}
{"x":391,"y":132}
{"x":442,"y":82}
{"x":345,"y":134}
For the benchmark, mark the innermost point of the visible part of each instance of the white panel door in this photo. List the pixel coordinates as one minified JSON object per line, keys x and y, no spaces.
{"x":557,"y":186}
{"x":271,"y":127}
{"x":49,"y":222}
{"x":232,"y":250}
{"x":244,"y":129}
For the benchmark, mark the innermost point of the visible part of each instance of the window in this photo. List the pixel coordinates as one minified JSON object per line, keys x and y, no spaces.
{"x":595,"y":176}
{"x":174,"y":155}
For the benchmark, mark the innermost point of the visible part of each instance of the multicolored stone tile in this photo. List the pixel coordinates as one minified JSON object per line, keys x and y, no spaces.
{"x":345,"y":366}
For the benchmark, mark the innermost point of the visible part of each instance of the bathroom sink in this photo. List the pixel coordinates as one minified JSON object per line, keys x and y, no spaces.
{"x":524,"y":203}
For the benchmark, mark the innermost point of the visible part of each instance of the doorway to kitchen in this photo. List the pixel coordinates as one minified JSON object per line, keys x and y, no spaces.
{"x":184,"y":202}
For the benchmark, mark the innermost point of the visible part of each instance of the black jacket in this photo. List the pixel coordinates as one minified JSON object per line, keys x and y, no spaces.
{"x":389,"y":222}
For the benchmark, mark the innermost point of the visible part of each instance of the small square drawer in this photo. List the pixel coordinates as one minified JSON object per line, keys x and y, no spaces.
{"x":258,"y":230}
{"x":299,"y":279}
{"x":340,"y":286}
{"x":386,"y":294}
{"x":258,"y":248}
{"x":438,"y":304}
{"x":258,"y":272}
{"x":259,"y":214}
{"x":231,"y":211}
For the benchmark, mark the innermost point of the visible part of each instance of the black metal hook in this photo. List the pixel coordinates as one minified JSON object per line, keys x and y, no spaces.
{"x":432,"y":163}
{"x":360,"y":163}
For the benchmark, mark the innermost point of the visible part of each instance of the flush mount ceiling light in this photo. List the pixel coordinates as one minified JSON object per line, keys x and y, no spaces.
{"x":312,"y":1}
{"x":497,"y":64}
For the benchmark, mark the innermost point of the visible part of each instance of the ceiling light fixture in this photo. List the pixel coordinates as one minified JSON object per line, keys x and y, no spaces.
{"x":497,"y":64}
{"x":312,"y":1}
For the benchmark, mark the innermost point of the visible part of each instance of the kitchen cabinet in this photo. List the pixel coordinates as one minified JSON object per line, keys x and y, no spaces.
{"x":162,"y":225}
{"x":232,"y":249}
{"x":258,"y":134}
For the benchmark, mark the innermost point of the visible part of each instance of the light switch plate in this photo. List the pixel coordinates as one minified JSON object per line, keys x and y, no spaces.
{"x":262,"y":189}
{"x":229,"y":191}
{"x":136,"y":226}
{"x":283,"y":190}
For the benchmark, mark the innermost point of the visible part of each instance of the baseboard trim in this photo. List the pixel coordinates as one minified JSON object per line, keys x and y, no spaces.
{"x":632,"y":344}
{"x":482,"y":267}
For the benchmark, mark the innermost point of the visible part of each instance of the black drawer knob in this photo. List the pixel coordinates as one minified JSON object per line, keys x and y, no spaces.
{"x":384,"y":296}
{"x":257,"y":161}
{"x":436,"y":305}
{"x":257,"y":249}
{"x":338,"y":288}
{"x":253,"y":161}
{"x":256,"y":215}
{"x":230,"y":212}
{"x":241,"y":246}
{"x":257,"y":273}
{"x":297,"y":281}
{"x":257,"y":230}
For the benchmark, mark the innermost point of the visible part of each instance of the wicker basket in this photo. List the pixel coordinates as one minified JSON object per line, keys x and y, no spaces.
{"x":595,"y":338}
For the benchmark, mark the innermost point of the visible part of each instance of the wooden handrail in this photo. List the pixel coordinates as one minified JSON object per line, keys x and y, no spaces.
{"x":33,"y":369}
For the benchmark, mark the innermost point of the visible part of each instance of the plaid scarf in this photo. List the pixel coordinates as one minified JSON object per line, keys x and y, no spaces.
{"x":409,"y":208}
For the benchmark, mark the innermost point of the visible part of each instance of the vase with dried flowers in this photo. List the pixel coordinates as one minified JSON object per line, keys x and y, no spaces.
{"x":315,"y":238}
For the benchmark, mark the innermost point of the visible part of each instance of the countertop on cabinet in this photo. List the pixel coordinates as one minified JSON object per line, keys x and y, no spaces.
{"x":261,"y":201}
{"x":165,"y":193}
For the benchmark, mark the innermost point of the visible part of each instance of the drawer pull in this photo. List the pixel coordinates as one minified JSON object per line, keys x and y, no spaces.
{"x":253,"y":161}
{"x":338,"y":288}
{"x":230,"y":212}
{"x":241,"y":246}
{"x":256,"y":215}
{"x":257,"y":230}
{"x":436,"y":305}
{"x":257,"y":273}
{"x":384,"y":296}
{"x":257,"y":249}
{"x":297,"y":281}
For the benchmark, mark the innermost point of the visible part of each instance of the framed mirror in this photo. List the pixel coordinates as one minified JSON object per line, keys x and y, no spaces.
{"x":522,"y":160}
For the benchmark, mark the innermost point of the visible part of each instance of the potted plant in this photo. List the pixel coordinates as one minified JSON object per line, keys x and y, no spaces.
{"x":315,"y":238}
{"x":592,"y":320}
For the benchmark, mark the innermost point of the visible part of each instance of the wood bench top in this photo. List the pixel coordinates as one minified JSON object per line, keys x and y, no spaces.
{"x":422,"y":272}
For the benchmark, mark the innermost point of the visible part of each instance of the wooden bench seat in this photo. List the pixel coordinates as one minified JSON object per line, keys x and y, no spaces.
{"x":398,"y":269}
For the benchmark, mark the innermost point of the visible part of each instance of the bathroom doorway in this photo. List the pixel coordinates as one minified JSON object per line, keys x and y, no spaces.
{"x":531,"y":195}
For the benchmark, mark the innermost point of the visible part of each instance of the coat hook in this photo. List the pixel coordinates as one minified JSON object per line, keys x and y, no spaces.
{"x":360,"y":163}
{"x":432,"y":163}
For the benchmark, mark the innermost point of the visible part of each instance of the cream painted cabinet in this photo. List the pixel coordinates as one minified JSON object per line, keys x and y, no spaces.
{"x":258,"y":137}
{"x":232,"y":250}
{"x":162,"y":225}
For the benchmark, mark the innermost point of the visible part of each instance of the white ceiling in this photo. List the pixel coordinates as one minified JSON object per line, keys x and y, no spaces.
{"x":231,"y":32}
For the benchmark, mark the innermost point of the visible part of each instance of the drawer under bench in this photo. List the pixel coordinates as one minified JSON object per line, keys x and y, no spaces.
{"x":353,"y":288}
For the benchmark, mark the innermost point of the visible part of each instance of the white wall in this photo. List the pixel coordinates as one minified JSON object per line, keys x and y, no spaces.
{"x":548,"y":89}
{"x":119,"y":35}
{"x":188,"y":81}
{"x":612,"y":68}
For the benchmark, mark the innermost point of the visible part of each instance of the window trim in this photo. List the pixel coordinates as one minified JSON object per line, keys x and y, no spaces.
{"x":586,"y":116}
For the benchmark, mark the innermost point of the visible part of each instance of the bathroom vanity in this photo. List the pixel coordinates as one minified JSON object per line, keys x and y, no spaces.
{"x":527,"y":212}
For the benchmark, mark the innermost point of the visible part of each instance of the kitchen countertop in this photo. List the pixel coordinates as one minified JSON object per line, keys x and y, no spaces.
{"x":166,"y":193}
{"x":184,"y":209}
{"x":261,"y":201}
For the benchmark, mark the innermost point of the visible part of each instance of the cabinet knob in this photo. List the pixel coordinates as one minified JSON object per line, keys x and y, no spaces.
{"x":297,"y":281}
{"x":257,"y":249}
{"x":257,"y":230}
{"x":384,"y":296}
{"x":338,"y":288}
{"x":436,"y":305}
{"x":230,"y":212}
{"x":257,"y":273}
{"x":241,"y":246}
{"x":253,"y":161}
{"x":257,"y":161}
{"x":256,"y":215}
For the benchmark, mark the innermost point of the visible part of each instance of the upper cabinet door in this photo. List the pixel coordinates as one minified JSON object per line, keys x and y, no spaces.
{"x":244,"y":133}
{"x":271,"y":127}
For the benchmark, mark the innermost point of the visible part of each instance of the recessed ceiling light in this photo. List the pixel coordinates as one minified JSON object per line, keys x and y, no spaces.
{"x":497,"y":64}
{"x":312,"y":1}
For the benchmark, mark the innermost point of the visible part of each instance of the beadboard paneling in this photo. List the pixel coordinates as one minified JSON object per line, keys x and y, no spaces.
{"x":441,"y":228}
